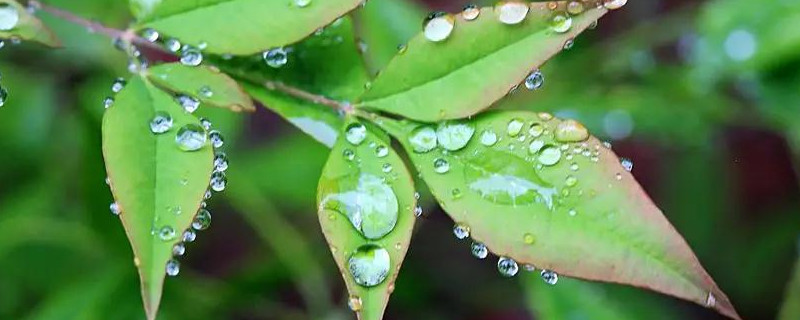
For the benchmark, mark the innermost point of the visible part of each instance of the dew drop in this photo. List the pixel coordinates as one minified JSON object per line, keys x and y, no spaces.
{"x":626,"y":163}
{"x":418,"y":211}
{"x":535,"y":146}
{"x":172,"y":45}
{"x":572,"y":212}
{"x":568,"y":45}
{"x":571,"y":131}
{"x":205,"y":123}
{"x":118,"y":85}
{"x":205,"y":91}
{"x":461,"y":231}
{"x":479,"y":250}
{"x":167,"y":233}
{"x":575,"y":7}
{"x":386,"y":168}
{"x":453,"y":135}
{"x":574,"y":167}
{"x":3,"y":96}
{"x":571,"y":181}
{"x":618,"y":176}
{"x":711,"y":301}
{"x":202,"y":220}
{"x":191,"y":57}
{"x":161,"y":122}
{"x":370,"y":204}
{"x":535,"y":80}
{"x":189,"y":236}
{"x":441,"y":165}
{"x":216,"y":139}
{"x":107,"y":102}
{"x":149,"y":34}
{"x":549,"y":277}
{"x":550,"y":155}
{"x":220,"y":162}
{"x":536,"y":130}
{"x":438,"y":26}
{"x":423,"y":139}
{"x":302,"y":3}
{"x":614,"y":4}
{"x":544,"y":116}
{"x":470,"y":12}
{"x":276,"y":58}
{"x":218,"y":181}
{"x":354,"y":303}
{"x":114,"y":207}
{"x":369,"y":265}
{"x":355,"y":133}
{"x":349,"y":154}
{"x":488,"y":138}
{"x":381,"y":151}
{"x":507,"y":267}
{"x":9,"y":17}
{"x":189,"y":104}
{"x":173,"y":267}
{"x":560,"y":23}
{"x":178,"y":249}
{"x":511,"y":12}
{"x":191,"y":137}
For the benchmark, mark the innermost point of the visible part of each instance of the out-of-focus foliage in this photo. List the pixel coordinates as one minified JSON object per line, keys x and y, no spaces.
{"x":708,"y":136}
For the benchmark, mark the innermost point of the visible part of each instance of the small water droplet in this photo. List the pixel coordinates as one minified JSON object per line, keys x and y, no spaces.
{"x":438,"y":26}
{"x":276,"y":58}
{"x":172,"y":45}
{"x":9,"y":16}
{"x":205,"y":123}
{"x":216,"y":139}
{"x":614,"y":4}
{"x":369,"y":265}
{"x":189,"y":104}
{"x":618,"y":176}
{"x":207,"y":195}
{"x":461,"y":231}
{"x":560,"y":23}
{"x":575,"y":8}
{"x":191,"y":137}
{"x":189,"y":236}
{"x":511,"y":12}
{"x":529,"y":239}
{"x":179,"y":249}
{"x":349,"y":154}
{"x":302,"y":3}
{"x":381,"y":151}
{"x":205,"y":91}
{"x":354,"y":303}
{"x":418,"y":211}
{"x":191,"y":57}
{"x":220,"y":162}
{"x":514,"y":127}
{"x":441,"y":165}
{"x":507,"y":267}
{"x":626,"y":163}
{"x":711,"y":300}
{"x":549,"y":156}
{"x":355,"y":133}
{"x":571,"y":181}
{"x":118,"y":85}
{"x":202,"y":220}
{"x":167,"y":233}
{"x":549,"y":277}
{"x":574,"y":166}
{"x":479,"y":250}
{"x":161,"y":122}
{"x":453,"y":135}
{"x":114,"y":207}
{"x":386,"y":168}
{"x":529,"y":267}
{"x":571,"y":131}
{"x":150,"y":35}
{"x":568,"y":44}
{"x":173,"y":267}
{"x":218,"y":181}
{"x":488,"y":138}
{"x":535,"y":80}
{"x":107,"y":102}
{"x":535,"y":146}
{"x":456,"y":193}
{"x":3,"y":96}
{"x":470,"y":12}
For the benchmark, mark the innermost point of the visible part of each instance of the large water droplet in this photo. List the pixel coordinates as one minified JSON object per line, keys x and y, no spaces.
{"x":161,"y":122}
{"x":276,"y":58}
{"x":369,"y":203}
{"x":191,"y":57}
{"x":438,"y":26}
{"x":470,"y":12}
{"x":535,"y":80}
{"x":454,"y":135}
{"x":355,"y":133}
{"x":560,"y":23}
{"x":202,"y":220}
{"x":614,"y":4}
{"x":507,"y":266}
{"x":441,"y":165}
{"x":191,"y":137}
{"x":479,"y":250}
{"x":549,"y":277}
{"x":423,"y":139}
{"x":549,"y":156}
{"x":488,"y":138}
{"x":173,"y":267}
{"x":369,"y":265}
{"x":9,"y":16}
{"x":506,"y":179}
{"x":511,"y":12}
{"x":571,"y":131}
{"x":461,"y":231}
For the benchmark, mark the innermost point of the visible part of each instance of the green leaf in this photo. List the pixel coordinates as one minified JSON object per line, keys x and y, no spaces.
{"x":318,"y":121}
{"x":384,"y":26}
{"x":241,"y":27}
{"x":366,"y":208}
{"x":204,"y":83}
{"x":157,"y":186}
{"x":474,"y":67}
{"x":543,"y":192}
{"x":27,"y":27}
{"x":791,"y":302}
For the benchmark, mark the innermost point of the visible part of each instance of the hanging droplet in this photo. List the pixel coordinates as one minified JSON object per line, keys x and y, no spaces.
{"x":568,"y":44}
{"x":423,"y":139}
{"x":614,"y":4}
{"x":151,"y":35}
{"x":418,"y":211}
{"x":114,"y":207}
{"x":202,"y":220}
{"x":575,"y":8}
{"x":479,"y":250}
{"x":560,"y":23}
{"x":178,"y":249}
{"x":381,"y":151}
{"x":108,"y":102}
{"x":461,"y":231}
{"x":453,"y":135}
{"x":549,"y":277}
{"x":535,"y":80}
{"x":355,"y":133}
{"x":441,"y":165}
{"x":3,"y":96}
{"x":470,"y":12}
{"x":626,"y":163}
{"x":220,"y":162}
{"x":161,"y":122}
{"x":302,"y":3}
{"x":507,"y":266}
{"x":191,"y":57}
{"x":216,"y":139}
{"x":172,"y":45}
{"x":9,"y":16}
{"x":218,"y":181}
{"x":189,"y":236}
{"x":511,"y":12}
{"x":514,"y":127}
{"x":118,"y":85}
{"x":167,"y":233}
{"x":438,"y":26}
{"x":488,"y":138}
{"x":173,"y":267}
{"x":369,"y":265}
{"x":276,"y":58}
{"x":571,"y":131}
{"x":189,"y":104}
{"x":191,"y":137}
{"x":549,"y":156}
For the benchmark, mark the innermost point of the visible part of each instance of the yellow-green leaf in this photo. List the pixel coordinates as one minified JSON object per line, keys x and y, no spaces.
{"x":203,"y":83}
{"x":18,"y":23}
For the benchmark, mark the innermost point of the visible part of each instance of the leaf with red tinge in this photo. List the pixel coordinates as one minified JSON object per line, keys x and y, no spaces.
{"x":544,"y":193}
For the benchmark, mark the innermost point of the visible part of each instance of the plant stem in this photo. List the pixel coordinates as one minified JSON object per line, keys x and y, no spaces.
{"x":305,"y":95}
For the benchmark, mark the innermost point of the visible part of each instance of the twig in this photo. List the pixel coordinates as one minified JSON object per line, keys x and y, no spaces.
{"x":304,"y":95}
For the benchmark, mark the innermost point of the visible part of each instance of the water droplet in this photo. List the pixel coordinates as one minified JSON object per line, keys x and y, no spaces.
{"x":441,"y":165}
{"x":381,"y":151}
{"x":173,"y":267}
{"x":529,"y":267}
{"x":205,"y":92}
{"x":461,"y":231}
{"x":572,"y":212}
{"x":354,"y":303}
{"x":479,"y":250}
{"x":161,"y":122}
{"x":571,"y":131}
{"x":108,"y":102}
{"x":614,"y":4}
{"x":386,"y":168}
{"x":3,"y":96}
{"x":202,"y":220}
{"x":626,"y":163}
{"x":355,"y":133}
{"x":571,"y":181}
{"x":423,"y":139}
{"x":470,"y":12}
{"x":9,"y":16}
{"x":511,"y":12}
{"x":189,"y":236}
{"x":205,"y":123}
{"x":189,"y":104}
{"x":178,"y":250}
{"x":535,"y":146}
{"x":529,"y":239}
{"x":514,"y":127}
{"x":216,"y":139}
{"x":544,"y":116}
{"x":568,"y":44}
{"x":560,"y":23}
{"x":711,"y":301}
{"x":418,"y":211}
{"x":191,"y":137}
{"x":438,"y":26}
{"x":118,"y":85}
{"x":575,"y":8}
{"x":549,"y":277}
{"x":207,"y":195}
{"x":454,"y":135}
{"x":218,"y":181}
{"x":349,"y":154}
{"x":172,"y":45}
{"x":276,"y":58}
{"x":369,"y":265}
{"x":506,"y":179}
{"x":220,"y":162}
{"x":114,"y":207}
{"x":167,"y":233}
{"x":535,"y":80}
{"x":150,"y":35}
{"x":302,"y":3}
{"x":488,"y":138}
{"x":176,"y":210}
{"x":369,"y":203}
{"x":549,"y":156}
{"x":618,"y":176}
{"x":574,"y":167}
{"x":456,"y":193}
{"x":507,"y":267}
{"x":191,"y":57}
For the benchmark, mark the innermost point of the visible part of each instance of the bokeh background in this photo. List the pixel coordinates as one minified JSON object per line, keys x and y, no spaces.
{"x":703,"y":96}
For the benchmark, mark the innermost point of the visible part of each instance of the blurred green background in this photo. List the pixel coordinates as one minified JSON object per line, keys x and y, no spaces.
{"x":703,"y":96}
